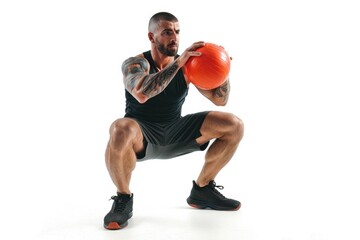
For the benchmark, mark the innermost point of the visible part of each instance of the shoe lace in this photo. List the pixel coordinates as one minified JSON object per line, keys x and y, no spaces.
{"x":120,"y":203}
{"x":213,"y":186}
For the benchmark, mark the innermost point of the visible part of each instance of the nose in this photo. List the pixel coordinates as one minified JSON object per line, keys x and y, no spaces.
{"x":174,"y":38}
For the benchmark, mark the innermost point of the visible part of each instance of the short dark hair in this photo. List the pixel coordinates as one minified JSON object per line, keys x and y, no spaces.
{"x":161,"y":16}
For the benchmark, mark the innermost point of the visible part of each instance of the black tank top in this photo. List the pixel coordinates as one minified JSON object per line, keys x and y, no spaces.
{"x":165,"y":106}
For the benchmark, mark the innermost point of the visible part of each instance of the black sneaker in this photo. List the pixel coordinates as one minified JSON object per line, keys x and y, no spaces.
{"x":121,"y":211}
{"x":209,"y":197}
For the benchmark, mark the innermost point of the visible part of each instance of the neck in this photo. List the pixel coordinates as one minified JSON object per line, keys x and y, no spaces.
{"x":161,"y":60}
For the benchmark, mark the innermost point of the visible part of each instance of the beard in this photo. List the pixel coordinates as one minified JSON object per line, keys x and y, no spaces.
{"x":166,"y":51}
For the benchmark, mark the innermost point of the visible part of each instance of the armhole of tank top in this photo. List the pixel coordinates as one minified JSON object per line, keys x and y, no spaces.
{"x":147,"y":56}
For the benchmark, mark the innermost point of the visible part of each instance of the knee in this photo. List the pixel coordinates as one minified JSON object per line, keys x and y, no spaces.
{"x":237,"y":127}
{"x":121,"y":132}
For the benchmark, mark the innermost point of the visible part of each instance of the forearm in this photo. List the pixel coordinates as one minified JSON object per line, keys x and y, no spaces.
{"x":221,"y":93}
{"x":143,"y":85}
{"x":154,"y":84}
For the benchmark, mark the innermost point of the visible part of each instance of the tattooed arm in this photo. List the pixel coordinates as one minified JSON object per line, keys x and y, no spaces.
{"x":140,"y":83}
{"x":220,"y":95}
{"x":143,"y":85}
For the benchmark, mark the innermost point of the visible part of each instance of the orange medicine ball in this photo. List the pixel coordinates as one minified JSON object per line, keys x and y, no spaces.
{"x":209,"y":70}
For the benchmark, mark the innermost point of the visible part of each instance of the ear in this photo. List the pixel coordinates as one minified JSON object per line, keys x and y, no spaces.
{"x":151,"y":37}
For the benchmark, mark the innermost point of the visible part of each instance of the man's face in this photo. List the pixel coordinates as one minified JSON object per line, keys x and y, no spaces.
{"x":166,"y":38}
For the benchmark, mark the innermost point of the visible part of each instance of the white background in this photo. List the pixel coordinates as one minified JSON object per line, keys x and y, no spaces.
{"x":294,"y":77}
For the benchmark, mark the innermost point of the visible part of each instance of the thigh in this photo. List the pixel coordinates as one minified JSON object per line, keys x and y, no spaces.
{"x":216,"y":124}
{"x":185,"y":129}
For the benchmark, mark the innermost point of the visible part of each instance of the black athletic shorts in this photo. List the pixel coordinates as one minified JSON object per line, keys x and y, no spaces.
{"x":173,"y":139}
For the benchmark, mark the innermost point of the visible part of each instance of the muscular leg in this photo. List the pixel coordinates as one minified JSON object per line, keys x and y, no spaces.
{"x":125,"y":140}
{"x":228,"y":131}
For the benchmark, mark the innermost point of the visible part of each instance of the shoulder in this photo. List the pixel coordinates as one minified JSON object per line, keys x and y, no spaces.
{"x":139,"y":61}
{"x":139,"y":57}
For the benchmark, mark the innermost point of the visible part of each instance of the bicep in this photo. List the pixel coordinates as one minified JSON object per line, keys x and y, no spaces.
{"x":134,"y":70}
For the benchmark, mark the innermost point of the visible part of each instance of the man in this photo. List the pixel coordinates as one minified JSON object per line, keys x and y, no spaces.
{"x":153,"y":127}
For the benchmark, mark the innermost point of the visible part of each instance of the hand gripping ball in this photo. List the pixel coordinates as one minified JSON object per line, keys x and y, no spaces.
{"x":209,"y":70}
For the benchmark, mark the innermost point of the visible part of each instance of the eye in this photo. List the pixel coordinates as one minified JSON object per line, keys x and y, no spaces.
{"x":168,"y":32}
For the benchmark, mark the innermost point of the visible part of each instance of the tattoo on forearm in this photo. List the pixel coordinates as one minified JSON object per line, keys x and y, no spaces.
{"x":154,"y":84}
{"x":136,"y":69}
{"x":222,"y":91}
